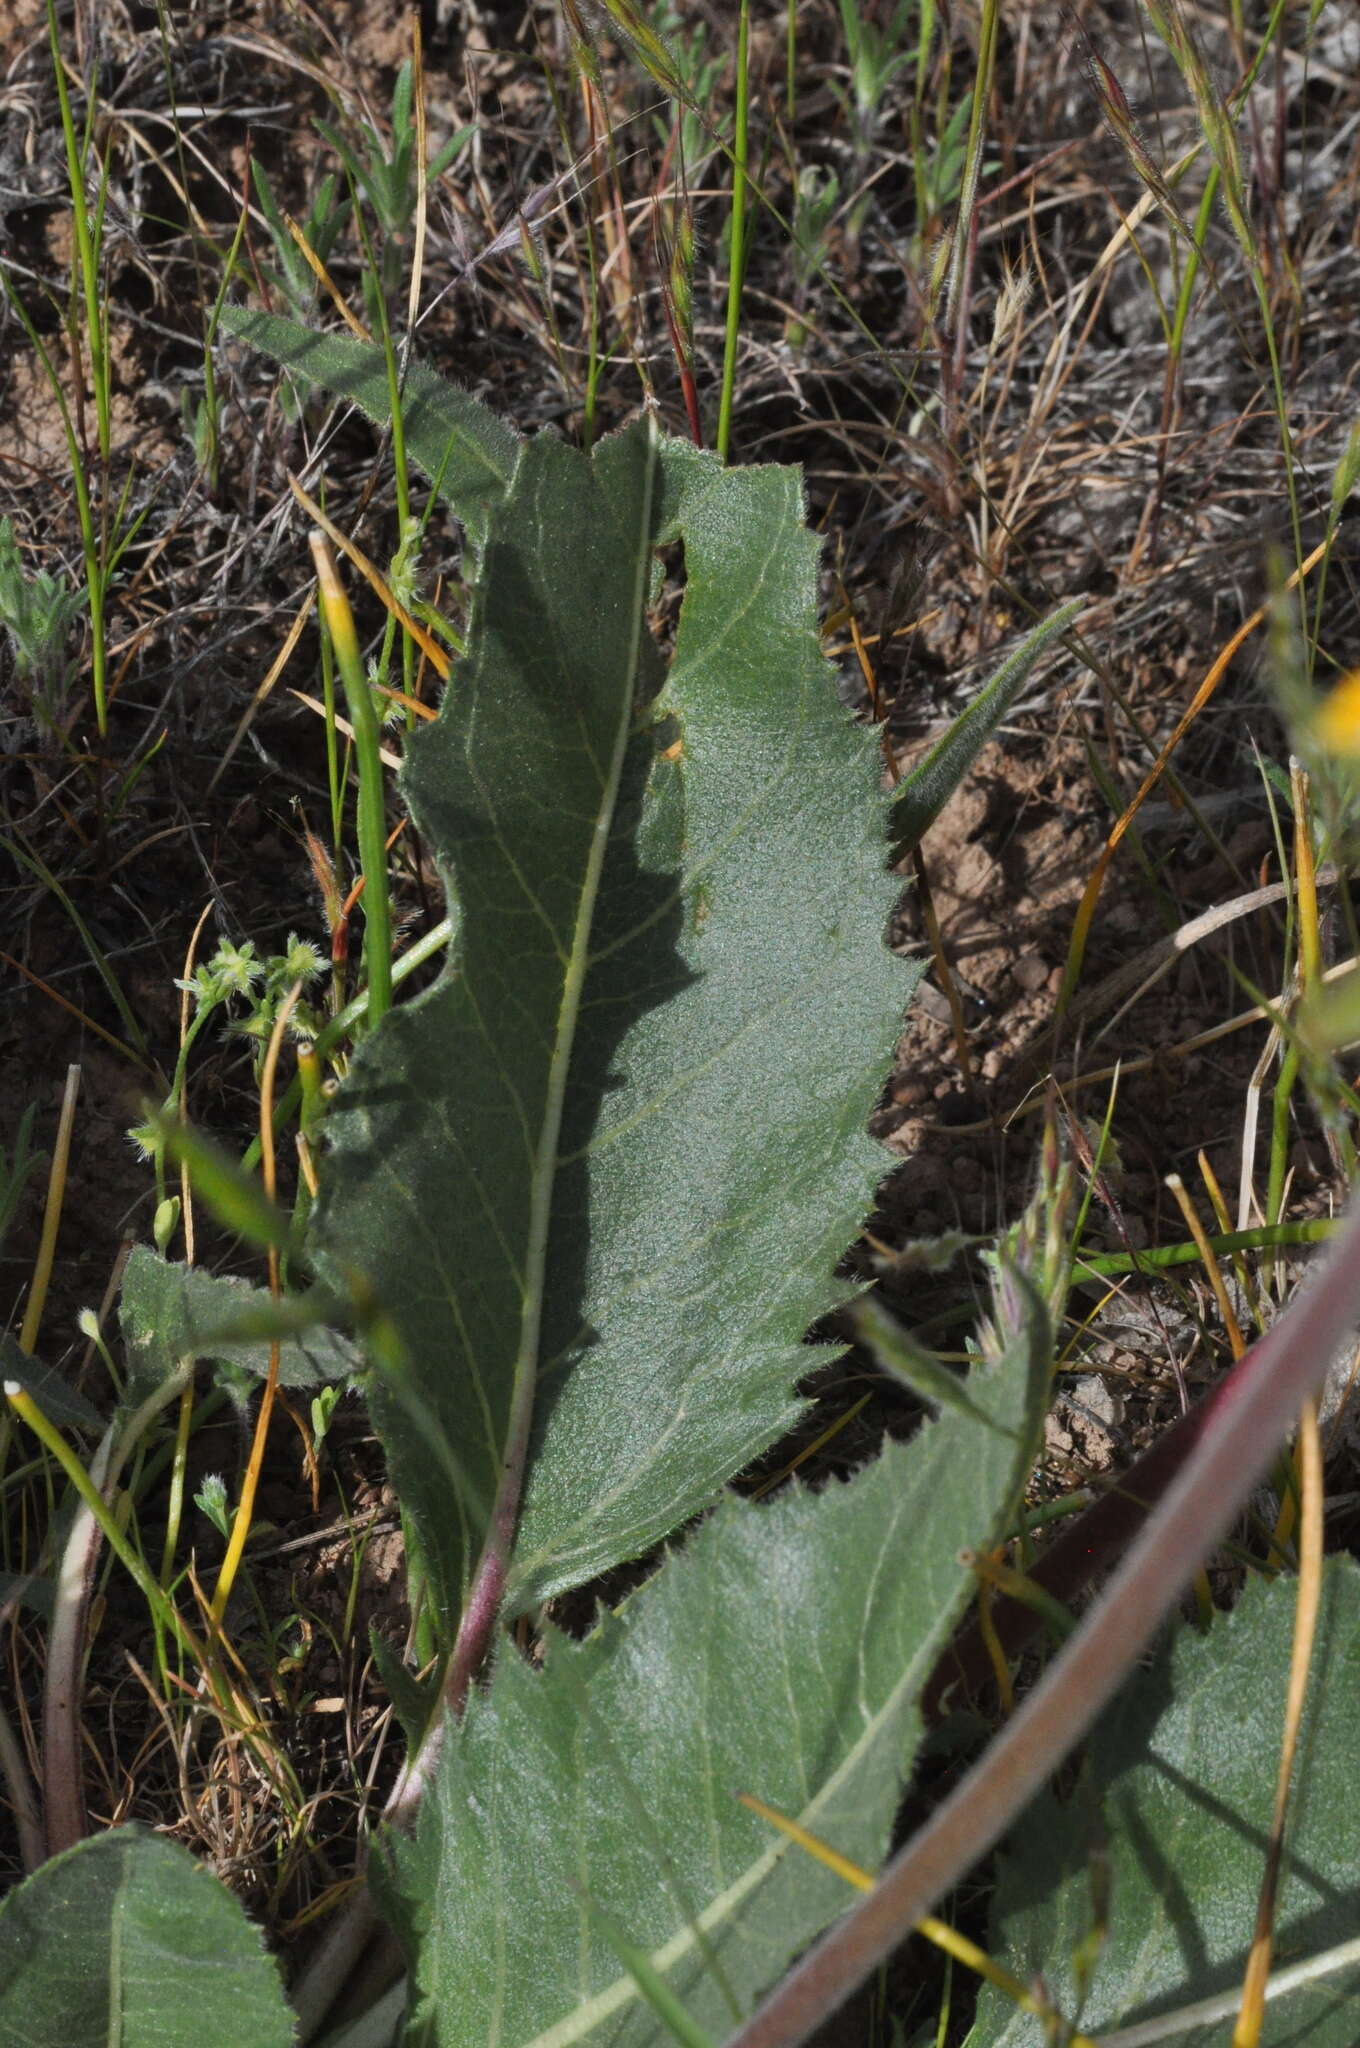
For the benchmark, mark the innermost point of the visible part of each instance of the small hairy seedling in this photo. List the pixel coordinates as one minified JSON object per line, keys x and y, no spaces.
{"x":211,"y":1500}
{"x":879,"y":51}
{"x":37,"y":614}
{"x":815,"y":199}
{"x":698,"y":68}
{"x":385,"y":174}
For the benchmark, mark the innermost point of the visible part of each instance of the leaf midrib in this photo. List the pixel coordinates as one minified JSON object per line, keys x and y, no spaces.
{"x":546,"y":1163}
{"x":578,"y":2024}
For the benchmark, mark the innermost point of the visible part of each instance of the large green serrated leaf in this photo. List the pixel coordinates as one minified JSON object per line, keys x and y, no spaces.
{"x":1178,"y":1790}
{"x":452,"y":436}
{"x":620,"y":1146}
{"x":123,"y":1941}
{"x":782,"y":1653}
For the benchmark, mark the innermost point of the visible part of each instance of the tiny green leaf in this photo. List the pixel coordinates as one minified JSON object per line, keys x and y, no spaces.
{"x":924,"y":793}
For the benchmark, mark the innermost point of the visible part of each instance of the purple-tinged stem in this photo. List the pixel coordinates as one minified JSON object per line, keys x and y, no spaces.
{"x":326,"y":1974}
{"x":1089,"y":1542}
{"x":478,"y":1620}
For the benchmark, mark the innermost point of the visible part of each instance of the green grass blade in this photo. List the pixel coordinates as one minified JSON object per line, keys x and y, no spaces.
{"x":924,"y":793}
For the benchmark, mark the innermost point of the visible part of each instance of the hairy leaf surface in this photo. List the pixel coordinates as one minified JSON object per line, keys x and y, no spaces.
{"x":610,"y":1161}
{"x":780,"y":1652}
{"x":923,"y":794}
{"x":168,"y":1311}
{"x":126,"y":1942}
{"x":1178,"y":1788}
{"x":467,"y":447}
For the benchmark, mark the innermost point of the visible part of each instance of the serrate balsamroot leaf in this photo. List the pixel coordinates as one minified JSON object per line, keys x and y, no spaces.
{"x":609,"y":1162}
{"x":454,"y":438}
{"x":781,"y":1652}
{"x":1177,"y":1795}
{"x":124,"y":1940}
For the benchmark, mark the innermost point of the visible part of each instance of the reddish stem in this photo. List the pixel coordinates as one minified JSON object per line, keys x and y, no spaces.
{"x":1091,"y":1540}
{"x":1250,"y":1413}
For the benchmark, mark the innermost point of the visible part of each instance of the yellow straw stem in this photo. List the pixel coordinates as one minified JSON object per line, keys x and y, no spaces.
{"x":1245,"y":1278}
{"x":1305,"y":881}
{"x":325,"y":280}
{"x":1081,"y":924}
{"x":245,"y":1507}
{"x":1211,"y":1266}
{"x":996,"y":1655}
{"x":810,"y":1450}
{"x":939,"y":1932}
{"x":371,"y":810}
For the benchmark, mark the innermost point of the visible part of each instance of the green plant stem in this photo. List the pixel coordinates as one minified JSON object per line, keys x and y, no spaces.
{"x":174,"y":1101}
{"x":56,"y":1192}
{"x":1046,"y":1512}
{"x":367,"y":743}
{"x":87,"y":254}
{"x":178,"y":1466}
{"x":791,"y":63}
{"x":737,"y":243}
{"x":396,"y":378}
{"x":1279,"y":1130}
{"x":28,"y":1411}
{"x":87,"y":236}
{"x":344,"y":1022}
{"x":1267,"y":1237}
